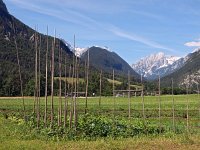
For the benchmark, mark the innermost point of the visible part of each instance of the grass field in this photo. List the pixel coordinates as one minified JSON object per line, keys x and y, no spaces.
{"x":13,"y":136}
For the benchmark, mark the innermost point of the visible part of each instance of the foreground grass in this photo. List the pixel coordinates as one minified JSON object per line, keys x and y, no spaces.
{"x":127,"y":144}
{"x":16,"y":136}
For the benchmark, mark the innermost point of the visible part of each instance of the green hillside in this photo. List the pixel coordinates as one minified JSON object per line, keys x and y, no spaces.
{"x":107,"y":61}
{"x":9,"y":76}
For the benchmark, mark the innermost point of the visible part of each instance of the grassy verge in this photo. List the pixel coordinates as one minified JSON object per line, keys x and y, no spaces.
{"x":10,"y":139}
{"x":14,"y":135}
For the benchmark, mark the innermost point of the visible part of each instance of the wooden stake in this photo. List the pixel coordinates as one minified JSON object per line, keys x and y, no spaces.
{"x":159,"y":107}
{"x":60,"y":87}
{"x":187,"y":109}
{"x":173,"y":107}
{"x":39,"y":73}
{"x":129,"y":96}
{"x":36,"y":73}
{"x":75,"y":87}
{"x":114,"y":93}
{"x":19,"y":70}
{"x":143,"y":108}
{"x":78,"y":65}
{"x":46,"y":81}
{"x":100,"y":90}
{"x":52,"y":80}
{"x":71,"y":107}
{"x":66,"y":103}
{"x":86,"y":90}
{"x":72,"y":91}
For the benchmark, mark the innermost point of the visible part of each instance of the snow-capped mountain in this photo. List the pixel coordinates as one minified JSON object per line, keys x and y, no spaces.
{"x":188,"y":74}
{"x":158,"y":64}
{"x":78,"y":51}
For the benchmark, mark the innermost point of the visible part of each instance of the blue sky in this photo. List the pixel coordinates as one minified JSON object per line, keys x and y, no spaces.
{"x":131,"y":28}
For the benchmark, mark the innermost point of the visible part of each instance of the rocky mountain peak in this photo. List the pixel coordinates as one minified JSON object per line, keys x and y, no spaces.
{"x":155,"y":64}
{"x":3,"y":8}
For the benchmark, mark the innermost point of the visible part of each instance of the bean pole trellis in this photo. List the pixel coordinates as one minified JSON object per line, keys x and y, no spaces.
{"x":70,"y":112}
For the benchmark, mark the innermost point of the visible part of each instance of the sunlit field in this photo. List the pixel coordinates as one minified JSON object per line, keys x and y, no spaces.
{"x":178,"y":136}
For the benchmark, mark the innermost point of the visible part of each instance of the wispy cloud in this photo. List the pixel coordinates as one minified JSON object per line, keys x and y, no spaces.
{"x":147,"y":14}
{"x":66,"y":15}
{"x":76,"y":17}
{"x":136,"y":38}
{"x":192,"y":44}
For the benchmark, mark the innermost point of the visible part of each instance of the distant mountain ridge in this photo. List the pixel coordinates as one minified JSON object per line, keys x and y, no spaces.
{"x":189,"y":73}
{"x":158,"y":64}
{"x":103,"y":58}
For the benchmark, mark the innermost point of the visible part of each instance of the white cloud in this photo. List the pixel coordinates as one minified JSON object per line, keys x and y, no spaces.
{"x":137,"y":38}
{"x":192,"y":44}
{"x":78,"y":18}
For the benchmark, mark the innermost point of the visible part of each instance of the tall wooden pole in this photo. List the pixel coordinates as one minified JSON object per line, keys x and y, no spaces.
{"x":66,"y":103}
{"x":187,"y":109}
{"x":75,"y":86}
{"x":52,"y":80}
{"x":60,"y":87}
{"x":129,"y":96}
{"x":36,"y":79}
{"x":72,"y":92}
{"x":100,"y":90}
{"x":19,"y":70}
{"x":143,"y":107}
{"x":159,"y":107}
{"x":71,"y":107}
{"x":173,"y":107}
{"x":78,"y":66}
{"x":69,"y":75}
{"x":114,"y":93}
{"x":46,"y":81}
{"x":87,"y":81}
{"x":39,"y":73}
{"x":36,"y":73}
